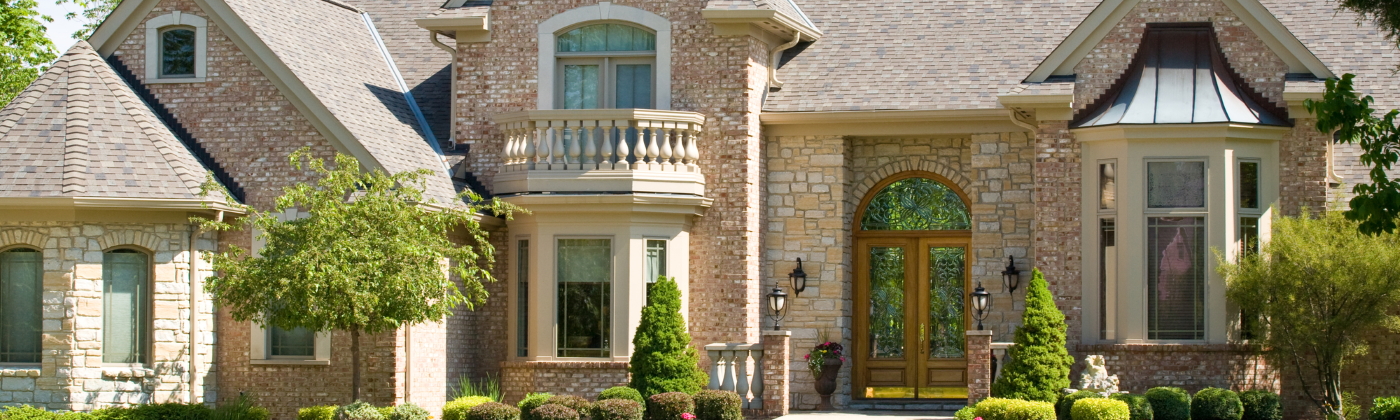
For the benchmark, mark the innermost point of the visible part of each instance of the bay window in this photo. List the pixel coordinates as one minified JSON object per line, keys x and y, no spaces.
{"x":606,"y":65}
{"x":1176,"y":249}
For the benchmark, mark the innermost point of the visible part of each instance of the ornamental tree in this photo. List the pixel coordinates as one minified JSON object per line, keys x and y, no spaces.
{"x":24,"y":50}
{"x":662,"y":358}
{"x":369,"y":256}
{"x":1040,"y":362}
{"x":1319,"y":288}
{"x":1376,"y":204}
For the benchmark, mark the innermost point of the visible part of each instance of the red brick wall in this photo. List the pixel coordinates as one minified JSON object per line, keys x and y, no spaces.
{"x":1191,"y":366}
{"x":1057,"y":227}
{"x":584,"y":379}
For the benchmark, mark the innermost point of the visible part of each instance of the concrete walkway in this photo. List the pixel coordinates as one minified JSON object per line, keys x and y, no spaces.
{"x":867,"y":415}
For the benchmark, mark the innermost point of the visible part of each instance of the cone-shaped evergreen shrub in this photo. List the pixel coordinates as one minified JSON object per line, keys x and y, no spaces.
{"x":662,"y":359}
{"x":1040,"y":362}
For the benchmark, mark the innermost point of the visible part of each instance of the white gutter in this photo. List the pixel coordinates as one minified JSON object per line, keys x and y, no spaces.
{"x":412,"y":104}
{"x":433,"y":36}
{"x":777,"y":55}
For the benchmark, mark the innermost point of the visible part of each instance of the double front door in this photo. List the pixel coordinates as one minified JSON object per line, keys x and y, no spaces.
{"x":911,"y":316}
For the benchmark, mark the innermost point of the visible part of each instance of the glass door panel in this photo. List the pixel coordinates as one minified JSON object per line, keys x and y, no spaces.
{"x":887,"y":341}
{"x":943,"y":369}
{"x":886,"y":332}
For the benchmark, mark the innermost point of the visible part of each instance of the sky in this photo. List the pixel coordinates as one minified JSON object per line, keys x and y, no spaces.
{"x":60,"y":31}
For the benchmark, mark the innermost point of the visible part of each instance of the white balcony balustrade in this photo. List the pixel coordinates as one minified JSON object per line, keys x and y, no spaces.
{"x":738,"y":367}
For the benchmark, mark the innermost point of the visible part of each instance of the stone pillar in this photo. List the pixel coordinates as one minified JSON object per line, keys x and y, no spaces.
{"x":776,"y":350}
{"x":979,"y":365}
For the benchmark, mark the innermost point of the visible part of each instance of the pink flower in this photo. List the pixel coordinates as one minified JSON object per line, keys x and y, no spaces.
{"x":688,"y":416}
{"x":843,"y":359}
{"x":979,"y":418}
{"x":807,"y":357}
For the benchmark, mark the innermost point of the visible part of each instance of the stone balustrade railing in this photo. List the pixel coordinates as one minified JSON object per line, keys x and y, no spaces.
{"x":738,"y":367}
{"x":1000,"y":357}
{"x":601,"y":139}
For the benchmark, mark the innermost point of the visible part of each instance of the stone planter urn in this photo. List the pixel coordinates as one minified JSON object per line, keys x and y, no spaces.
{"x":826,"y":382}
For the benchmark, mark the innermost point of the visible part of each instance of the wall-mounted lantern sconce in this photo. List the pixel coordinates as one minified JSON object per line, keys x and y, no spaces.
{"x":1011,"y":277}
{"x":777,"y":306}
{"x":799,"y":279}
{"x":981,"y":303}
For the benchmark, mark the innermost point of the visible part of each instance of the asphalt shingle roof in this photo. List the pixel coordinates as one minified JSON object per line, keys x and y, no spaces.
{"x":80,"y":131}
{"x":425,"y":67}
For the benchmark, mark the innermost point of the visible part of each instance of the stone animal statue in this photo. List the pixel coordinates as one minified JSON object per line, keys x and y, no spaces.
{"x":1096,"y":377}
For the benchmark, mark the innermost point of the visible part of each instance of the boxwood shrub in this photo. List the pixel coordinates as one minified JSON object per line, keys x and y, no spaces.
{"x":457,"y":409}
{"x":25,"y":412}
{"x":493,"y":411}
{"x":1138,"y":407}
{"x":1386,"y":408}
{"x":317,"y":412}
{"x":359,"y":410}
{"x":554,"y":412}
{"x":1100,"y":409}
{"x":714,"y":404}
{"x":1062,"y":407}
{"x":531,"y":401}
{"x":579,"y":404}
{"x":617,"y":409}
{"x":965,"y":413}
{"x":1169,"y":403}
{"x":669,"y":406}
{"x":623,"y":393}
{"x":1008,"y":409}
{"x":408,"y":411}
{"x":1216,"y":404}
{"x":1261,"y":405}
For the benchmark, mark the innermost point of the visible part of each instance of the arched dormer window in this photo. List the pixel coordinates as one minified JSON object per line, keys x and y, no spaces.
{"x":176,"y":50}
{"x":605,"y":56}
{"x":21,"y":309}
{"x":177,"y":54}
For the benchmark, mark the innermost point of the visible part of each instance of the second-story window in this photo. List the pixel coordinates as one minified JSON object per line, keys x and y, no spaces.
{"x":177,"y":52}
{"x":606,"y":65}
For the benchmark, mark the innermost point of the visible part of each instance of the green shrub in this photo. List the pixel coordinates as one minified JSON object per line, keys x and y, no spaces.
{"x":457,"y":409}
{"x":531,"y":401}
{"x":1261,"y":405}
{"x":1009,"y":409}
{"x":1216,"y":404}
{"x":554,"y":412}
{"x":1040,"y":363}
{"x":1138,"y":407}
{"x":358,"y":410}
{"x":617,"y":409}
{"x":1100,"y":409}
{"x":241,"y":408}
{"x":1169,"y":403}
{"x":386,"y":411}
{"x":319,"y":412}
{"x":25,"y":412}
{"x":662,"y":358}
{"x":623,"y":393}
{"x":577,"y":403}
{"x":669,"y":406}
{"x":409,"y":411}
{"x":1387,"y":408}
{"x":1066,"y":402}
{"x":713,"y":404}
{"x":489,"y":387}
{"x":965,"y":413}
{"x":492,"y":411}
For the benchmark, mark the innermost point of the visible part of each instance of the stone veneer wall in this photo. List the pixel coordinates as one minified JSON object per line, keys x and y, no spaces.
{"x":584,"y":379}
{"x":71,"y":375}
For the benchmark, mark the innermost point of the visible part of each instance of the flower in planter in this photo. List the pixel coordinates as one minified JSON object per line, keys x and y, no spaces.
{"x":687,"y":416}
{"x":821,"y":353}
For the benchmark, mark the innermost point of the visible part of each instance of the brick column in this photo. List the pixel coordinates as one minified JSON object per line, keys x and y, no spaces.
{"x":979,"y":365}
{"x":776,"y":351}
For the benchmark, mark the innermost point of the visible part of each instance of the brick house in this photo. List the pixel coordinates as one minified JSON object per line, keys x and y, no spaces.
{"x":906,"y":152}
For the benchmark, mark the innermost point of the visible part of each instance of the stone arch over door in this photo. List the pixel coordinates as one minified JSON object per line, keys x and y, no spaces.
{"x":912,"y":165}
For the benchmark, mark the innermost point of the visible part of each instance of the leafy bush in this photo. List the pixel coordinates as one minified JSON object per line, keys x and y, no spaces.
{"x":965,"y":413}
{"x":1100,"y":409}
{"x":1261,"y":405}
{"x":358,"y":410}
{"x":554,"y":412}
{"x":1138,"y":407}
{"x":622,"y":392}
{"x":489,"y":387}
{"x":25,"y":412}
{"x":669,"y":406}
{"x":713,"y":404}
{"x":1009,"y":409}
{"x":1169,"y":403}
{"x":1387,"y":408}
{"x":492,"y":411}
{"x":662,"y":358}
{"x":1040,"y":363}
{"x":386,"y":411}
{"x":1216,"y":404}
{"x":241,"y":408}
{"x":577,"y":403}
{"x":528,"y":404}
{"x":1066,"y":402}
{"x":318,"y":412}
{"x":617,"y":409}
{"x":409,"y":411}
{"x":457,"y":409}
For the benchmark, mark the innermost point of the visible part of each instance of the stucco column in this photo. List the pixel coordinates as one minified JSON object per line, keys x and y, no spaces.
{"x":979,"y":365}
{"x":776,"y":350}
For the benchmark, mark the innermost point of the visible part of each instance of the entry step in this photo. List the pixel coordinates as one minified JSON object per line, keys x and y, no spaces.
{"x":907,"y":404}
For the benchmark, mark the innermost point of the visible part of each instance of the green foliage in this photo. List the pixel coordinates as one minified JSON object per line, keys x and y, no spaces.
{"x":94,"y":11}
{"x":1066,"y":403}
{"x":358,"y":410}
{"x":25,"y":412}
{"x":490,"y":386}
{"x":1216,"y":404}
{"x":318,"y":412}
{"x":409,"y":411}
{"x":1012,"y":409}
{"x":1320,"y":289}
{"x":1138,"y":406}
{"x":554,"y":412}
{"x":662,"y":359}
{"x":669,"y":406}
{"x":242,"y":408}
{"x":713,"y":404}
{"x":531,"y":401}
{"x":1377,"y":204}
{"x":622,"y":393}
{"x":618,"y":409}
{"x":1169,"y":403}
{"x":965,"y":413}
{"x":577,"y":403}
{"x":386,"y":411}
{"x":1261,"y":405}
{"x":457,"y":409}
{"x":24,"y":49}
{"x":1040,"y":363}
{"x":1100,"y":409}
{"x":491,"y":411}
{"x":1386,"y":408}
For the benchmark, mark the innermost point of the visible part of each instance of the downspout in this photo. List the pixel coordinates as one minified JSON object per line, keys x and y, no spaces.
{"x":452,"y":85}
{"x":777,"y":55}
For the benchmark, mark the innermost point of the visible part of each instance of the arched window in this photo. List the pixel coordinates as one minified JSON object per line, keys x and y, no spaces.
{"x":21,"y":312}
{"x":177,"y":52}
{"x":126,"y":276}
{"x":606,"y":65}
{"x":916,"y":204}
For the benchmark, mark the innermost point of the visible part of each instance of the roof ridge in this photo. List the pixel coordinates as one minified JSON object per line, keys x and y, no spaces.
{"x":77,"y":124}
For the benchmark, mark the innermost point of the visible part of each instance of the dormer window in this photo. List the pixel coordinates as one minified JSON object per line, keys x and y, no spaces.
{"x":177,"y":53}
{"x":606,"y":65}
{"x":176,"y":48}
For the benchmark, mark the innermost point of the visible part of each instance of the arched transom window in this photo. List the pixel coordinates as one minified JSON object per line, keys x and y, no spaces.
{"x":606,"y":65}
{"x":916,"y":204}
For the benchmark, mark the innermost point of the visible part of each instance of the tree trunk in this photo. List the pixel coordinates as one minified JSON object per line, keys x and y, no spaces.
{"x":355,"y":365}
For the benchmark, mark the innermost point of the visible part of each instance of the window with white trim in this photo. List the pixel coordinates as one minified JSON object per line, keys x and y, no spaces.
{"x":605,"y":65}
{"x":1108,"y":250}
{"x":176,"y":48}
{"x":126,"y":306}
{"x":1176,"y":249}
{"x":584,"y":280}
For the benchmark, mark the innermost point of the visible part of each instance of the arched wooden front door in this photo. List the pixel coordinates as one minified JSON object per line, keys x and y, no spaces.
{"x":913,"y":242}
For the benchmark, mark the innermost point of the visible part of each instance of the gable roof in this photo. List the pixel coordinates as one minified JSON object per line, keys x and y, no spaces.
{"x":425,"y":68}
{"x":80,"y":131}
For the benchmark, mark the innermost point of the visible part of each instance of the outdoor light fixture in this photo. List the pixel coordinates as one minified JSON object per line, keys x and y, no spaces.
{"x":1011,"y":277}
{"x":799,"y":279}
{"x":777,"y":306}
{"x":981,"y":302}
